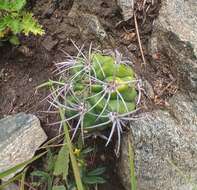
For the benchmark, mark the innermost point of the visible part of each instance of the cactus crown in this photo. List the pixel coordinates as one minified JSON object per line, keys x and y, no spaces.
{"x":97,"y":90}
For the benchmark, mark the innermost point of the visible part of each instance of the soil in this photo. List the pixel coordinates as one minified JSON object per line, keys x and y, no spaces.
{"x":25,"y":67}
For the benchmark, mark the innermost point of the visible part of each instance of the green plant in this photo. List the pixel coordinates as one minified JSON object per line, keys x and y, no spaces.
{"x":15,"y":20}
{"x":97,"y":90}
{"x":56,"y":173}
{"x":133,"y":180}
{"x":89,"y":176}
{"x":69,"y":145}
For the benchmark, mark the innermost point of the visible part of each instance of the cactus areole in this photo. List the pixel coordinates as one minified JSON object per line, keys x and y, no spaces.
{"x":95,"y":90}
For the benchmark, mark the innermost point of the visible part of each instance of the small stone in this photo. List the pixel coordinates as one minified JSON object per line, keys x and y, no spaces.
{"x":148,"y":89}
{"x":20,"y":137}
{"x":26,"y":51}
{"x":103,"y":158}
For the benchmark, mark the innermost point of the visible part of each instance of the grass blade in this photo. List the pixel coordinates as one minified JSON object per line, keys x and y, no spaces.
{"x":19,"y":166}
{"x":72,"y":156}
{"x":132,"y":167}
{"x":22,"y":182}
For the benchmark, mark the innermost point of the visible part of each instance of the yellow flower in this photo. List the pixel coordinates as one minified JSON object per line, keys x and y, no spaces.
{"x":77,"y":152}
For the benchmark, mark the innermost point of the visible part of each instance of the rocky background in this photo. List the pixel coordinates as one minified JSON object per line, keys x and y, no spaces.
{"x":165,"y":141}
{"x":164,"y":138}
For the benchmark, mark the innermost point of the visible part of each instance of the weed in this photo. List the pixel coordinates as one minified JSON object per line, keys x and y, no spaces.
{"x":57,"y":175}
{"x":15,"y":20}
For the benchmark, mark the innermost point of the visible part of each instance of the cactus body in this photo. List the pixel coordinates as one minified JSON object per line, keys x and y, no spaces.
{"x":96,"y":91}
{"x":103,"y":86}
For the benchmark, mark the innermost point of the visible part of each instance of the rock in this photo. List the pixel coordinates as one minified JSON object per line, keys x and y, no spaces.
{"x":165,"y":141}
{"x":97,"y":7}
{"x":174,"y":35}
{"x":127,"y":7}
{"x":165,"y":147}
{"x":87,"y":23}
{"x":184,"y":109}
{"x":20,"y":137}
{"x":26,"y":51}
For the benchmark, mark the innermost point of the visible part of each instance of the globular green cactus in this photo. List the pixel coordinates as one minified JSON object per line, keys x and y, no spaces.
{"x":98,"y":91}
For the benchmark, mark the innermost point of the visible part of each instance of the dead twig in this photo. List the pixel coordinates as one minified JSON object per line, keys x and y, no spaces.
{"x":139,"y":40}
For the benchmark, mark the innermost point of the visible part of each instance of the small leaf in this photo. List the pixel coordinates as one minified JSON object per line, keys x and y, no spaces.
{"x":15,"y":25}
{"x":30,"y":25}
{"x":62,"y":162}
{"x":18,"y":4}
{"x":61,"y":187}
{"x":15,"y":5}
{"x":50,"y":161}
{"x":39,"y":173}
{"x":87,"y":150}
{"x":3,"y":26}
{"x":97,"y":171}
{"x":93,"y":180}
{"x":44,"y":177}
{"x":4,"y":5}
{"x":14,"y":40}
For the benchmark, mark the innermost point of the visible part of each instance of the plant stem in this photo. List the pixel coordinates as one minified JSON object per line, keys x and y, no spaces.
{"x":72,"y":156}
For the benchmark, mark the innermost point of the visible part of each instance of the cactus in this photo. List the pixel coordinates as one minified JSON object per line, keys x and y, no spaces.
{"x":98,"y":91}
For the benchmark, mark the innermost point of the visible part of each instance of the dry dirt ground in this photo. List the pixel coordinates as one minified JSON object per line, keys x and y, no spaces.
{"x":25,"y":67}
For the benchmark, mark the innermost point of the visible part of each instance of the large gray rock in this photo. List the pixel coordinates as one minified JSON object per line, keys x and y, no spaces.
{"x":165,"y":141}
{"x":165,"y":147}
{"x":175,"y":36}
{"x":20,"y":137}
